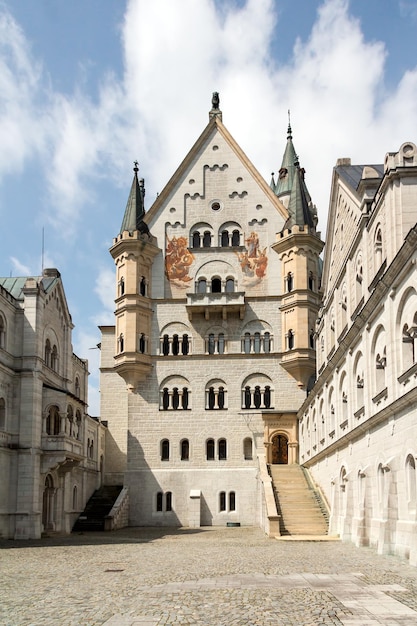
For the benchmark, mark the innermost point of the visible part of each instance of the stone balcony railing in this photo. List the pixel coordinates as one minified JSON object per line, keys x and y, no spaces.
{"x":226,"y":304}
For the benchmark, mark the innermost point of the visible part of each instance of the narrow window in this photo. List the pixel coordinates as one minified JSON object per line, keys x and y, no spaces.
{"x":267,"y":343}
{"x":257,"y":343}
{"x":54,"y":359}
{"x":211,"y":343}
{"x":220,"y":398}
{"x":159,"y":500}
{"x":175,"y":345}
{"x":2,"y":414}
{"x":222,"y":449}
{"x":185,"y":344}
{"x":2,"y":333}
{"x":165,"y":345}
{"x":202,"y":285}
{"x":175,"y":398}
{"x":248,"y":397}
{"x":77,"y":386}
{"x":185,"y":450}
{"x":210,"y":449}
{"x":168,"y":501}
{"x":222,"y":501}
{"x":142,"y":343}
{"x":121,"y":343}
{"x":121,"y":286}
{"x":257,"y":397}
{"x":225,"y":239}
{"x":290,"y":282}
{"x":211,"y":398}
{"x":142,"y":286}
{"x":247,"y":449}
{"x":207,"y":239}
{"x":235,"y":238}
{"x":232,"y":501}
{"x":246,"y":343}
{"x":267,"y":397}
{"x":48,"y":353}
{"x":165,"y":450}
{"x":184,"y":399}
{"x":290,"y":340}
{"x":165,"y":399}
{"x":196,"y":239}
{"x":221,"y":344}
{"x":74,"y":498}
{"x":230,"y":285}
{"x":311,"y":281}
{"x":216,"y":285}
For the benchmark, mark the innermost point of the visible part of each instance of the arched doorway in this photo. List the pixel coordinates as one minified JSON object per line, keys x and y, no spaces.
{"x":279,"y":450}
{"x":48,"y":504}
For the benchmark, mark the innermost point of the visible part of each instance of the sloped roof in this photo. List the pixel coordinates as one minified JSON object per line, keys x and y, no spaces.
{"x":352,"y":174}
{"x":135,"y":210}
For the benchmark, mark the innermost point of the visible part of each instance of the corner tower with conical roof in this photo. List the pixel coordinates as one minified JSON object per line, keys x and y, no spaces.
{"x":133,"y":251}
{"x":298,"y":246}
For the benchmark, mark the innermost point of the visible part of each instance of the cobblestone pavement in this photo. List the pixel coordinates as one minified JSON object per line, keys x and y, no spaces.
{"x":202,"y":577}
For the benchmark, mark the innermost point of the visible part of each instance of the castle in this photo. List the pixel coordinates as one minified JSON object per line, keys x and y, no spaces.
{"x":235,"y":348}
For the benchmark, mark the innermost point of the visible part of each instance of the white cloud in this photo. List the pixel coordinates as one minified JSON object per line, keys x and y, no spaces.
{"x":19,"y":268}
{"x":105,"y":289}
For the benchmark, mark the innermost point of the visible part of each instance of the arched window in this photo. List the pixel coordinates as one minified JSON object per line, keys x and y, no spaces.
{"x":211,"y":398}
{"x":378,"y":248}
{"x":185,"y":450}
{"x":221,"y":343}
{"x":175,"y":398}
{"x":290,"y":340}
{"x":165,"y":345}
{"x":184,"y":398}
{"x":74,"y":498}
{"x":230,"y":285}
{"x":2,"y":414}
{"x":168,"y":501}
{"x":235,"y":238}
{"x":53,"y":421}
{"x":142,"y":343}
{"x":121,"y":286}
{"x":78,"y":423}
{"x":247,"y":449}
{"x":221,"y":398}
{"x":77,"y":387}
{"x":202,"y":285}
{"x":159,"y":501}
{"x":311,"y":339}
{"x":47,"y":356}
{"x":232,"y":501}
{"x":175,"y":345}
{"x":207,"y":239}
{"x":222,"y":501}
{"x":210,"y":449}
{"x":290,"y":281}
{"x":70,"y":419}
{"x":211,"y":343}
{"x":2,"y":333}
{"x":121,"y":342}
{"x":216,"y":285}
{"x":143,"y":286}
{"x":54,"y":359}
{"x":222,"y":449}
{"x":246,"y":343}
{"x":311,"y":281}
{"x":225,"y":239}
{"x":165,"y":450}
{"x":196,"y":239}
{"x":185,"y":344}
{"x":267,"y":343}
{"x":257,"y":343}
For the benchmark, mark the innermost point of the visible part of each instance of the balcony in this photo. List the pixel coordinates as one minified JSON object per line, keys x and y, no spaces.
{"x":61,"y":451}
{"x":211,"y":304}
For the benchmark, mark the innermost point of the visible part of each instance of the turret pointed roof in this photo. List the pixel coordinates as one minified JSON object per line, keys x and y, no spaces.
{"x":299,"y":204}
{"x":287,"y":169}
{"x":135,"y":209}
{"x":291,"y":184}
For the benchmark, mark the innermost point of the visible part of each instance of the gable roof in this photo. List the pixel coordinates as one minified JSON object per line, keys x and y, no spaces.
{"x":215,"y":125}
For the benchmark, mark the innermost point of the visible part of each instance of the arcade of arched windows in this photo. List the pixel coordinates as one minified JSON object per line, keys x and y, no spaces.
{"x":229,"y":235}
{"x":215,"y":284}
{"x":175,"y":344}
{"x":214,"y":449}
{"x":257,"y":393}
{"x":68,"y":424}
{"x":216,"y":396}
{"x":256,"y":342}
{"x":175,"y":396}
{"x":51,"y":357}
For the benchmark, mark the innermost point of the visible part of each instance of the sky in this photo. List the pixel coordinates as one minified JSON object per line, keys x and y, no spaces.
{"x":89,"y":86}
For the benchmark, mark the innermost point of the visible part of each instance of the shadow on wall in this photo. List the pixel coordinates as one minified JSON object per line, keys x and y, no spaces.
{"x":150,"y":503}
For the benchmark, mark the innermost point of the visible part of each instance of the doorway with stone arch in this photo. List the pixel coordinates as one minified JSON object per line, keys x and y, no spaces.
{"x":279,"y":449}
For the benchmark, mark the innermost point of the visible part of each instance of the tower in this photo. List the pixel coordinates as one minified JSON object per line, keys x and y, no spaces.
{"x":133,"y":251}
{"x":298,"y":246}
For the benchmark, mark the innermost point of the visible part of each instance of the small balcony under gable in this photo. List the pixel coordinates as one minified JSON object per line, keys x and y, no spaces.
{"x":210,"y":304}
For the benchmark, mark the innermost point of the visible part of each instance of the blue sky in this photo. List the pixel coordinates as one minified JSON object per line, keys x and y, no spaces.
{"x":88,"y":86}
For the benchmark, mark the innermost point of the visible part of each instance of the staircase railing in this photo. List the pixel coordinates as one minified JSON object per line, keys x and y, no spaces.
{"x":271,"y":520}
{"x":318,"y":495}
{"x":118,"y":517}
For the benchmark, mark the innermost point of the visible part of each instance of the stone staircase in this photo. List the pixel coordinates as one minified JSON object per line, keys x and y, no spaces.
{"x":300,"y":506}
{"x":96,"y":509}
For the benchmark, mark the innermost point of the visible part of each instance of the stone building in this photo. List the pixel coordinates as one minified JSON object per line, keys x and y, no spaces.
{"x":357,"y":428}
{"x":51,"y":451}
{"x":212,"y":352}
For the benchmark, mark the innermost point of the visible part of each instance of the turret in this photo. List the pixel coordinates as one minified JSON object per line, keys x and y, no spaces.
{"x":298,"y":246}
{"x":133,"y":251}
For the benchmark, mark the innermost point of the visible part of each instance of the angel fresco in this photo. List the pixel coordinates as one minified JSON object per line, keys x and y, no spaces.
{"x":253,"y":261}
{"x":178,"y":259}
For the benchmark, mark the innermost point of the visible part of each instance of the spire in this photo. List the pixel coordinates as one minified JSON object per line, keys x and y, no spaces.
{"x":135,"y":210}
{"x":299,"y":204}
{"x":291,"y":188}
